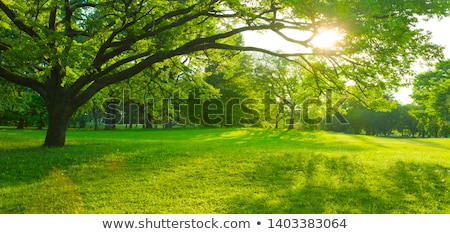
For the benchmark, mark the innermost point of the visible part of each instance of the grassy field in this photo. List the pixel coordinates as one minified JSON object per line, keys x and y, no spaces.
{"x":222,"y":171}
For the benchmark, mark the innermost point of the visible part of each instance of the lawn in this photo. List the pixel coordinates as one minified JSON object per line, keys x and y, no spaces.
{"x":222,"y":171}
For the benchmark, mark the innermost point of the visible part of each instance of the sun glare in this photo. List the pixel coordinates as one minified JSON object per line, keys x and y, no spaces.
{"x":327,"y":39}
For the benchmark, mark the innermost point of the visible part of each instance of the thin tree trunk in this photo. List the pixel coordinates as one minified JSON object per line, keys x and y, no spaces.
{"x":21,"y":123}
{"x":292,"y":117}
{"x":148,"y":121}
{"x":94,"y":113}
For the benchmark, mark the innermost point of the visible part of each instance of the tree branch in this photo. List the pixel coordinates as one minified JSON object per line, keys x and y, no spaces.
{"x":68,"y":17}
{"x":4,"y":46}
{"x":120,"y":63}
{"x":304,"y":43}
{"x":149,"y":34}
{"x":216,"y":15}
{"x":82,"y":81}
{"x":12,"y":16}
{"x":22,"y":80}
{"x":52,"y":19}
{"x":250,"y":49}
{"x":101,"y":57}
{"x":168,"y":16}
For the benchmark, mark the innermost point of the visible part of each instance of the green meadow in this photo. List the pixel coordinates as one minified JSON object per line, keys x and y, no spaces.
{"x":223,"y":171}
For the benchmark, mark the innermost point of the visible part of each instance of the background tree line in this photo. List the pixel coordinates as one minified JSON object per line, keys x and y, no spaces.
{"x":273,"y":82}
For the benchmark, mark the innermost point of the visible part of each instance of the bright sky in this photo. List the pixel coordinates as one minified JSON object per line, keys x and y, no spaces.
{"x":438,"y":28}
{"x":441,"y":36}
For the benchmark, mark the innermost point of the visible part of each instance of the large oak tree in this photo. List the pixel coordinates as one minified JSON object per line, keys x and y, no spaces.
{"x":68,"y":50}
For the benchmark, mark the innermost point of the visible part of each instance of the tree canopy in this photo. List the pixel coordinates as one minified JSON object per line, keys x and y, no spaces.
{"x":69,"y":50}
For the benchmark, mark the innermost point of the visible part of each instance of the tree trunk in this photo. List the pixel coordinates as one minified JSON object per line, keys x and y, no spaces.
{"x":94,"y":113}
{"x":130,"y":121}
{"x":21,"y":123}
{"x":291,"y":123}
{"x":148,"y":121}
{"x":58,"y":119}
{"x":292,"y":117}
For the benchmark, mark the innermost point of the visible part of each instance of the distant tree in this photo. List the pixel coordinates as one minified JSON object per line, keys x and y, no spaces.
{"x":12,"y":103}
{"x":405,"y":121}
{"x":287,"y":82}
{"x":372,"y":122}
{"x":356,"y":115}
{"x":229,"y":79}
{"x":21,"y":106}
{"x":432,"y":95}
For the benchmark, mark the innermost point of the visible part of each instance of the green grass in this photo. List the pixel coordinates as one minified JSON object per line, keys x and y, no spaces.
{"x":222,"y":171}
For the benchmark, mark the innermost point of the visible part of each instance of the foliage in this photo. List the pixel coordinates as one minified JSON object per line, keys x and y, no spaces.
{"x":371,"y":122}
{"x":288,"y":85}
{"x":406,"y":122}
{"x":432,"y":95}
{"x":21,"y":106}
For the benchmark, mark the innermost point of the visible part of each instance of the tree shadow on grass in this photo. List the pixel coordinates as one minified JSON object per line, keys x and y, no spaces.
{"x":55,"y":180}
{"x":424,"y":188}
{"x":430,"y":143}
{"x":323,"y":185}
{"x":31,"y":164}
{"x":274,"y":139}
{"x":26,"y":165}
{"x":35,"y":179}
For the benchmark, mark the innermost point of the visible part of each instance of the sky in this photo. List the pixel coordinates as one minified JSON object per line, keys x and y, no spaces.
{"x":441,"y":36}
{"x":438,"y":28}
